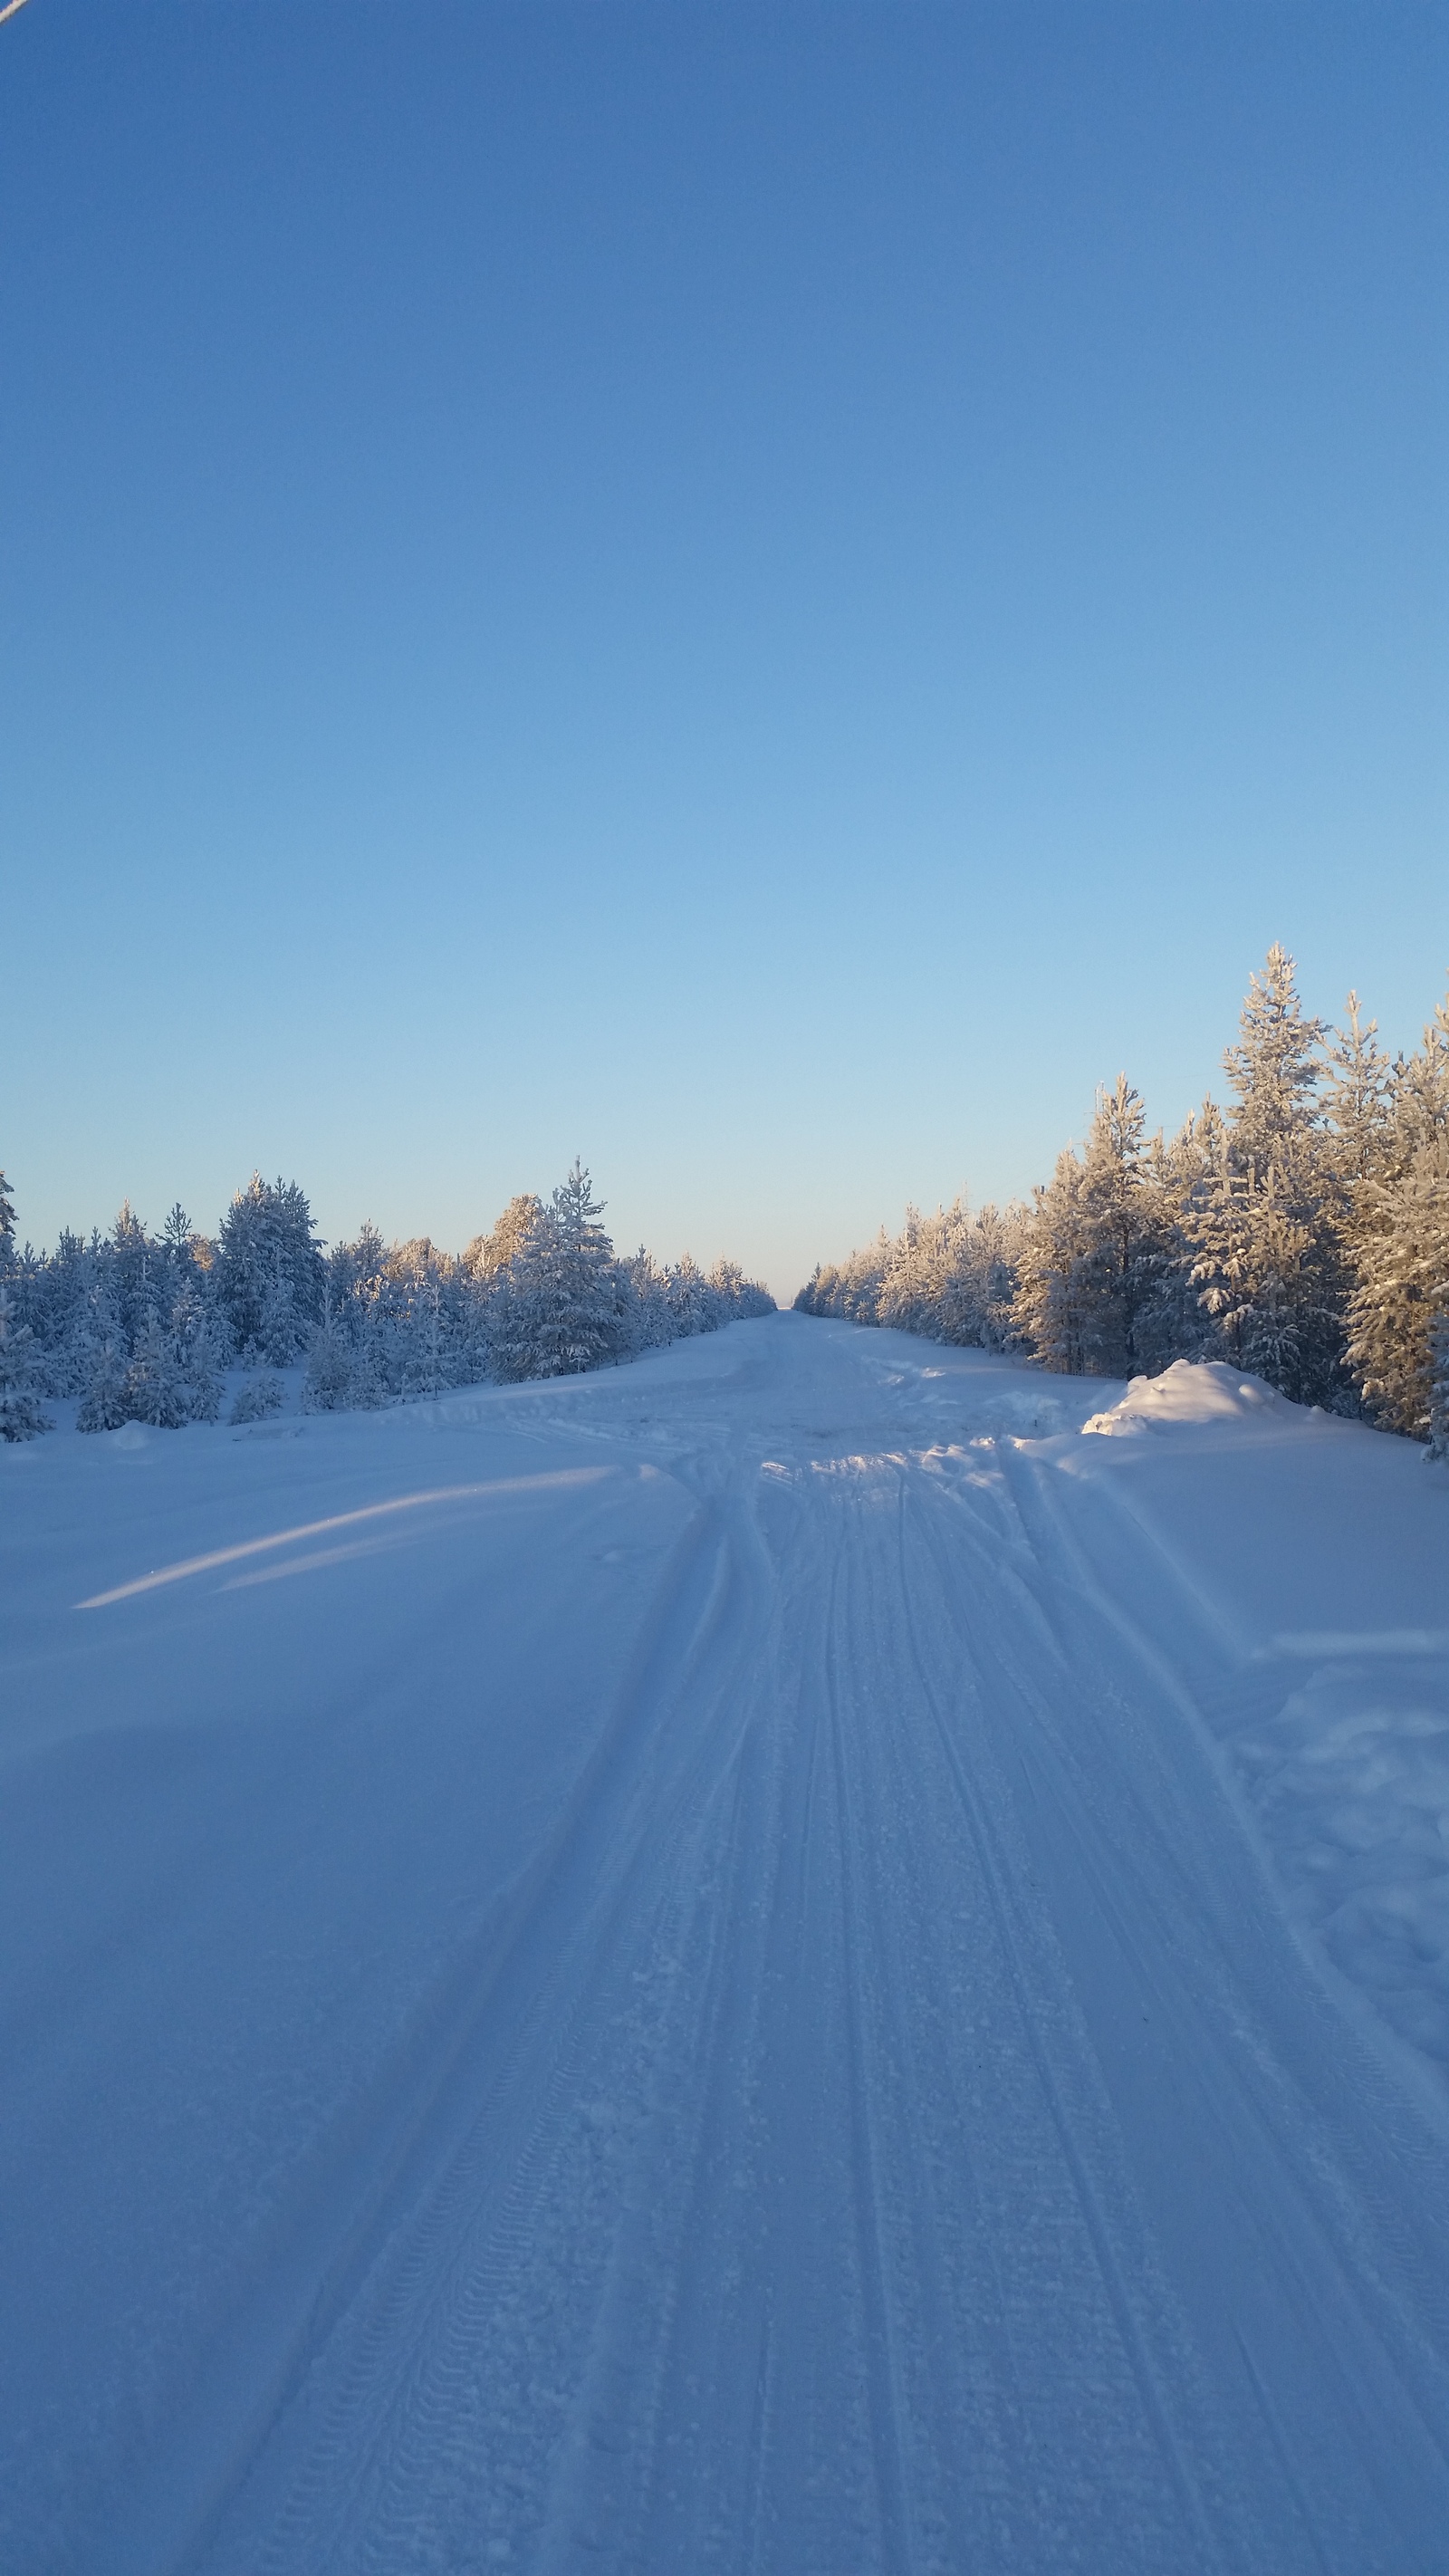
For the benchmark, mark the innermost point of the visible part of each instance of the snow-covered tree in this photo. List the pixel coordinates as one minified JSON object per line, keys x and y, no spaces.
{"x":1267,"y":1242}
{"x":561,"y":1304}
{"x":104,"y":1406}
{"x":490,"y":1253}
{"x":268,"y":1270}
{"x":1359,"y":1098}
{"x":1095,"y":1249}
{"x":154,"y":1390}
{"x":1256,"y":1275}
{"x":1399,"y":1244}
{"x":261,"y":1397}
{"x":1051,"y":1302}
{"x":331,"y":1355}
{"x":7,"y":1219}
{"x":22,"y":1415}
{"x":199,"y":1352}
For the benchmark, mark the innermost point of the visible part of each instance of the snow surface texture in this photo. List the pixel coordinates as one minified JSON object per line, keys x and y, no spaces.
{"x":771,"y":1961}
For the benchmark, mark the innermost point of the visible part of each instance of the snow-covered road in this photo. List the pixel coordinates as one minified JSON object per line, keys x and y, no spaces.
{"x":720,"y":1968}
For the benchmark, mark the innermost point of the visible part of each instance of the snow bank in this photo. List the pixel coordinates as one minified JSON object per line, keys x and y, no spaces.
{"x":1301,"y":1586}
{"x":1190,"y":1391}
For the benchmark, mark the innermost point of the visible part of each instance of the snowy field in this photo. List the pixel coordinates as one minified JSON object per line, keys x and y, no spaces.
{"x":776,"y":1961}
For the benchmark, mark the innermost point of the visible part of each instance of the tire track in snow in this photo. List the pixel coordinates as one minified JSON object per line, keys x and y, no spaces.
{"x":521,"y":1992}
{"x":800,"y":2175}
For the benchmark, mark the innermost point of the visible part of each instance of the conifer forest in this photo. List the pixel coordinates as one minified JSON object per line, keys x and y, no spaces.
{"x":142,"y":1327}
{"x":1301,"y":1233}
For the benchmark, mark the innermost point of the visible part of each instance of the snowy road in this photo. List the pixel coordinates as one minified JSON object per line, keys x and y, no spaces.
{"x":680,"y":1973}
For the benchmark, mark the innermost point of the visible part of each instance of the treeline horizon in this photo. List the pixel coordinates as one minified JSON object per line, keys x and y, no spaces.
{"x":1301,"y":1233}
{"x":142,"y":1327}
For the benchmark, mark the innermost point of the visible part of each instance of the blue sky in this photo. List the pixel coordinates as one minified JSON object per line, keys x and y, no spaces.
{"x":763,"y":595}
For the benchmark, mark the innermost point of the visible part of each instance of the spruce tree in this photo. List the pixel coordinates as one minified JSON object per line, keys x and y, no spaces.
{"x":562,"y":1305}
{"x":269,"y":1270}
{"x":104,"y":1406}
{"x":1123,"y":1250}
{"x":1050,"y":1305}
{"x":198,"y":1348}
{"x":1399,"y":1245}
{"x":22,"y":1415}
{"x":1268,"y":1258}
{"x":326,"y":1388}
{"x":155,"y":1392}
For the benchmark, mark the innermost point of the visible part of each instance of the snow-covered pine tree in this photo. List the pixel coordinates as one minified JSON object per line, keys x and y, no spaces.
{"x":131,"y":1268}
{"x":7,"y":1219}
{"x":1189,"y":1174}
{"x":261,"y":1397}
{"x":269,"y":1270}
{"x":1126,"y":1248}
{"x":155,"y":1391}
{"x":646,"y":1291}
{"x":1254,"y":1273}
{"x":103,"y":1406}
{"x":330,"y":1356}
{"x":22,"y":1416}
{"x":561,"y":1305}
{"x":488,"y":1254}
{"x":280,"y":1333}
{"x":199,"y":1350}
{"x":1360,"y":1098}
{"x":1273,"y":1069}
{"x":851,"y":1288}
{"x":740,"y":1298}
{"x":978,"y":1298}
{"x":428,"y":1366}
{"x":1050,"y":1305}
{"x":1399,"y":1244}
{"x":917,"y":1268}
{"x":1095,"y":1249}
{"x":690,"y":1305}
{"x":1268,"y":1259}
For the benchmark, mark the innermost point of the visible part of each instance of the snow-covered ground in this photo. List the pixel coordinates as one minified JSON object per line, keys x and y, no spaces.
{"x":779,"y":1960}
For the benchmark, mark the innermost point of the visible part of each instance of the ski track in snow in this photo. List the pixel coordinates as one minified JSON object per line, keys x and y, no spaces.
{"x":760,"y":1979}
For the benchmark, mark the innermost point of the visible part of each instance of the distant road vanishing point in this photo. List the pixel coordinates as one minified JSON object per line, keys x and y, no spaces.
{"x":672,"y":1972}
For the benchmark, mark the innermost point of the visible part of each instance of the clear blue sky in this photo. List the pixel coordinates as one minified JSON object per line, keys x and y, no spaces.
{"x":766,"y":595}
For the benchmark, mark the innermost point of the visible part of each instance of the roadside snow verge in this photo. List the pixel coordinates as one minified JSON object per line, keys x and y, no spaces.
{"x":1194,"y":1391}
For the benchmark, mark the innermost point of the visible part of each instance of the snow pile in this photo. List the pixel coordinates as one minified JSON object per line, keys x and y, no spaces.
{"x":1194,"y":1391}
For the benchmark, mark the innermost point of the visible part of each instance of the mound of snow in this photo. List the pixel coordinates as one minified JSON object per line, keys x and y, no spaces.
{"x":1189,"y":1391}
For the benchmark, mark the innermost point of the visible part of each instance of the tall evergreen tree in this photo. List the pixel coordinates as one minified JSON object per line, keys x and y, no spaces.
{"x":1360,"y":1099}
{"x":155,"y":1392}
{"x":562,"y":1305}
{"x":22,"y":1416}
{"x":104,"y":1406}
{"x":1400,"y":1242}
{"x":1268,"y":1251}
{"x":1095,"y":1249}
{"x":1051,"y":1299}
{"x":269,"y":1270}
{"x":199,"y":1353}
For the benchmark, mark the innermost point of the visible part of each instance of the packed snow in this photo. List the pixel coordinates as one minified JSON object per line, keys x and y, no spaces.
{"x":779,"y":1960}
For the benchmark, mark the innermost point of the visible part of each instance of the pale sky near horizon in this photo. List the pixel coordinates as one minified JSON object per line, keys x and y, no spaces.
{"x":763,"y":595}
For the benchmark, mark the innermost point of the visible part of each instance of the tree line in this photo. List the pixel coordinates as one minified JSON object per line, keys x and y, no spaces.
{"x":1301,"y":1232}
{"x":142,"y":1327}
